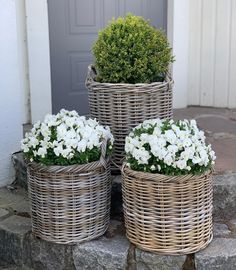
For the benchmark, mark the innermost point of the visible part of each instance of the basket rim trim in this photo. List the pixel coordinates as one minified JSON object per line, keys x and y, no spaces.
{"x":162,"y":177}
{"x":92,"y":72}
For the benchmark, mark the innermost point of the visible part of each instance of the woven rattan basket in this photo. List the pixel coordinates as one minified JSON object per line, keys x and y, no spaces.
{"x":124,"y":106}
{"x":167,"y":214}
{"x":70,"y":204}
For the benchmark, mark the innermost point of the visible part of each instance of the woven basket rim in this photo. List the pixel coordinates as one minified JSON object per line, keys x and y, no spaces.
{"x":92,"y":73}
{"x":65,"y":168}
{"x":36,"y":164}
{"x":162,"y":177}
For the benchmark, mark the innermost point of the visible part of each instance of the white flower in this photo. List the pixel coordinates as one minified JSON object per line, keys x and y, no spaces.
{"x":161,"y":142}
{"x":37,"y":125}
{"x":187,"y":154}
{"x":67,"y":134}
{"x":67,"y":152}
{"x":42,"y":151}
{"x":168,"y":159}
{"x":159,"y":152}
{"x":24,"y":147}
{"x":33,"y":142}
{"x":187,"y":142}
{"x":81,"y":146}
{"x":71,"y":142}
{"x":193,"y":123}
{"x":61,"y":131}
{"x":51,"y":120}
{"x":45,"y":144}
{"x":176,"y":144}
{"x":172,"y":149}
{"x":170,"y":136}
{"x":45,"y":131}
{"x":157,"y":131}
{"x":196,"y":160}
{"x":153,"y":168}
{"x":142,"y":155}
{"x":212,"y":154}
{"x":58,"y":150}
{"x":70,"y":121}
{"x":181,"y":164}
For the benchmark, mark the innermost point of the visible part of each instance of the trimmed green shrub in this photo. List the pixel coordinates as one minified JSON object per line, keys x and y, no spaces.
{"x":130,"y":50}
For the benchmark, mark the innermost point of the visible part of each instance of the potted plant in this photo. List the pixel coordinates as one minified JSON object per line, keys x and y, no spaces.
{"x":167,"y":187}
{"x":130,"y":81}
{"x":68,"y":170}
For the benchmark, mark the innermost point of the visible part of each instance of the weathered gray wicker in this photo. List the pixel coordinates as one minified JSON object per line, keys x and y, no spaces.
{"x":123,"y":106}
{"x":167,"y":214}
{"x":70,"y":204}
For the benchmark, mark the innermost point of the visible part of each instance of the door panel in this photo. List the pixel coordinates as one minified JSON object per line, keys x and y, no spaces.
{"x":73,"y":28}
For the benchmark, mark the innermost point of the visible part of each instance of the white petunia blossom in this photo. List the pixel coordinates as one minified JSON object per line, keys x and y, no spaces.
{"x":153,"y":168}
{"x":42,"y":151}
{"x":169,"y":147}
{"x":170,"y":136}
{"x":65,"y":137}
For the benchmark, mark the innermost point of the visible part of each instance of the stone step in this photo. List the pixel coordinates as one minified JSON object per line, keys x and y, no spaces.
{"x":20,"y":169}
{"x":13,"y":267}
{"x":224,"y":190}
{"x":224,"y":197}
{"x":21,"y":250}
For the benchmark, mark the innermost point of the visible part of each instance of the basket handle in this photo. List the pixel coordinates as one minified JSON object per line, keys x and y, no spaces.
{"x":90,"y":75}
{"x":118,"y":166}
{"x":102,"y":159}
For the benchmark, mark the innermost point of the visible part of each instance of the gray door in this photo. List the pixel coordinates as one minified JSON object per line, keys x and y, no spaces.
{"x":73,"y":28}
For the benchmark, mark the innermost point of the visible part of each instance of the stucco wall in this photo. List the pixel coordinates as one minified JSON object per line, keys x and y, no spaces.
{"x":11,"y":99}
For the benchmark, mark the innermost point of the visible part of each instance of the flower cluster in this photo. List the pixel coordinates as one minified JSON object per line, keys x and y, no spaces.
{"x":168,"y":147}
{"x":66,"y":139}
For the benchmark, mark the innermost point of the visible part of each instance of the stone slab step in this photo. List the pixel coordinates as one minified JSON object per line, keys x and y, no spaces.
{"x":224,"y":195}
{"x":20,"y":169}
{"x":19,"y":249}
{"x":220,"y":255}
{"x":15,"y":268}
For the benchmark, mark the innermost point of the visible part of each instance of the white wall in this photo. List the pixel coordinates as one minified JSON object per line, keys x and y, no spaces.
{"x":212,"y":53}
{"x":11,"y":101}
{"x":178,"y":34}
{"x":39,"y":58}
{"x":23,"y":58}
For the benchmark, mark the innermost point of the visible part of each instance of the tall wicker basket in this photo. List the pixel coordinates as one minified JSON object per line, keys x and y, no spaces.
{"x":167,"y":214}
{"x":123,"y":106}
{"x":70,"y":204}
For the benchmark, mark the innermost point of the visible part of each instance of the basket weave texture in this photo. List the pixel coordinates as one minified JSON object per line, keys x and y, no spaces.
{"x":69,"y":204}
{"x":167,"y":214}
{"x":123,"y":106}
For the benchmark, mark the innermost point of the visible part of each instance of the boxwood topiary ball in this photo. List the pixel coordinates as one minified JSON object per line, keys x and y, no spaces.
{"x":130,"y":50}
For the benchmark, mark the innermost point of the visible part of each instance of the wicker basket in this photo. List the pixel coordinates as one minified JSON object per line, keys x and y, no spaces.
{"x":167,"y":214}
{"x":124,"y":106}
{"x":70,"y":204}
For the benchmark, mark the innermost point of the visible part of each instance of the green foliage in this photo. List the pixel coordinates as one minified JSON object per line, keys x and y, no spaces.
{"x":90,"y":155}
{"x":167,"y":170}
{"x":130,"y":50}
